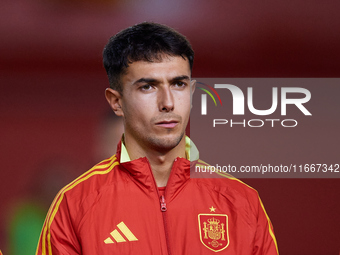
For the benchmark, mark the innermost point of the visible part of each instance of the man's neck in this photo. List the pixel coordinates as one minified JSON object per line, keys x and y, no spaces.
{"x":160,"y":162}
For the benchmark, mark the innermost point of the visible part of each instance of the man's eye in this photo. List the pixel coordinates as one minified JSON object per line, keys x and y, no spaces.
{"x":180,"y":84}
{"x":146,"y":87}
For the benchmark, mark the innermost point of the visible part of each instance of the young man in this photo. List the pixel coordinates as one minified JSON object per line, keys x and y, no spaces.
{"x":142,"y":200}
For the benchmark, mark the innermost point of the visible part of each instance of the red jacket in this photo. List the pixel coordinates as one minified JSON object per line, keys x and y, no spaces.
{"x":116,"y":208}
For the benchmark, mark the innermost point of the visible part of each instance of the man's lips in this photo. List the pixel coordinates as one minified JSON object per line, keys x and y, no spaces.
{"x":167,"y":124}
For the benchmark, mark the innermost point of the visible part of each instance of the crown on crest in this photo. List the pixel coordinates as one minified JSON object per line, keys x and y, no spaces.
{"x":213,"y":221}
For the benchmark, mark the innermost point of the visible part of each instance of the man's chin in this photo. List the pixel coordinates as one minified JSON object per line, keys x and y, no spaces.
{"x":164,"y":144}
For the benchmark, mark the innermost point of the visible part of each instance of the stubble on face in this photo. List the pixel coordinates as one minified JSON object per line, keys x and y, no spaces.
{"x":163,"y":142}
{"x":166,"y":143}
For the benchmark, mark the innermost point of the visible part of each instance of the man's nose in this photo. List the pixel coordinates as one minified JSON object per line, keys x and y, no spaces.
{"x":166,"y":99}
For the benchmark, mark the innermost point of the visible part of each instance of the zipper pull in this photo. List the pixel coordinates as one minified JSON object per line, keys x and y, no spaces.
{"x":163,"y":204}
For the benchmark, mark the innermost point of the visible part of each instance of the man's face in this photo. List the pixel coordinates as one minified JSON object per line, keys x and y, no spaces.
{"x":156,"y":102}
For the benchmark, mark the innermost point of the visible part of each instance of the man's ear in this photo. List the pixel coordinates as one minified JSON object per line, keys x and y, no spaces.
{"x":192,"y":90}
{"x":113,"y":97}
{"x":192,"y":86}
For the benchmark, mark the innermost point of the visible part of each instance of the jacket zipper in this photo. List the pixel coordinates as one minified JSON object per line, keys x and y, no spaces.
{"x":163,"y":207}
{"x":163,"y":204}
{"x":163,"y":210}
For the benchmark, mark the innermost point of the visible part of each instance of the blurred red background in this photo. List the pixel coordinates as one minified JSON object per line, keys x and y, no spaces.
{"x":52,"y":89}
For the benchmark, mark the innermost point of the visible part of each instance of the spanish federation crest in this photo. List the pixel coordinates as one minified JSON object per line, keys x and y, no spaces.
{"x":214,"y":231}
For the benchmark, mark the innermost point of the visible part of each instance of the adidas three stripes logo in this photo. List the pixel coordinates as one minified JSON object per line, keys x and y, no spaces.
{"x":118,"y":237}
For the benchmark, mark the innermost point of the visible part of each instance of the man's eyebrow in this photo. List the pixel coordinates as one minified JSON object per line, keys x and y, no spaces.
{"x":145,"y":80}
{"x":180,"y":78}
{"x":152,"y":80}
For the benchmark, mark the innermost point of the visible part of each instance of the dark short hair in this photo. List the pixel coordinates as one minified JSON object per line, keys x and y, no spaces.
{"x":146,"y":41}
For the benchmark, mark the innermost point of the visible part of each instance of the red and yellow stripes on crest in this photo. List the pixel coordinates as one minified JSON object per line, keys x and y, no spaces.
{"x":103,"y":167}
